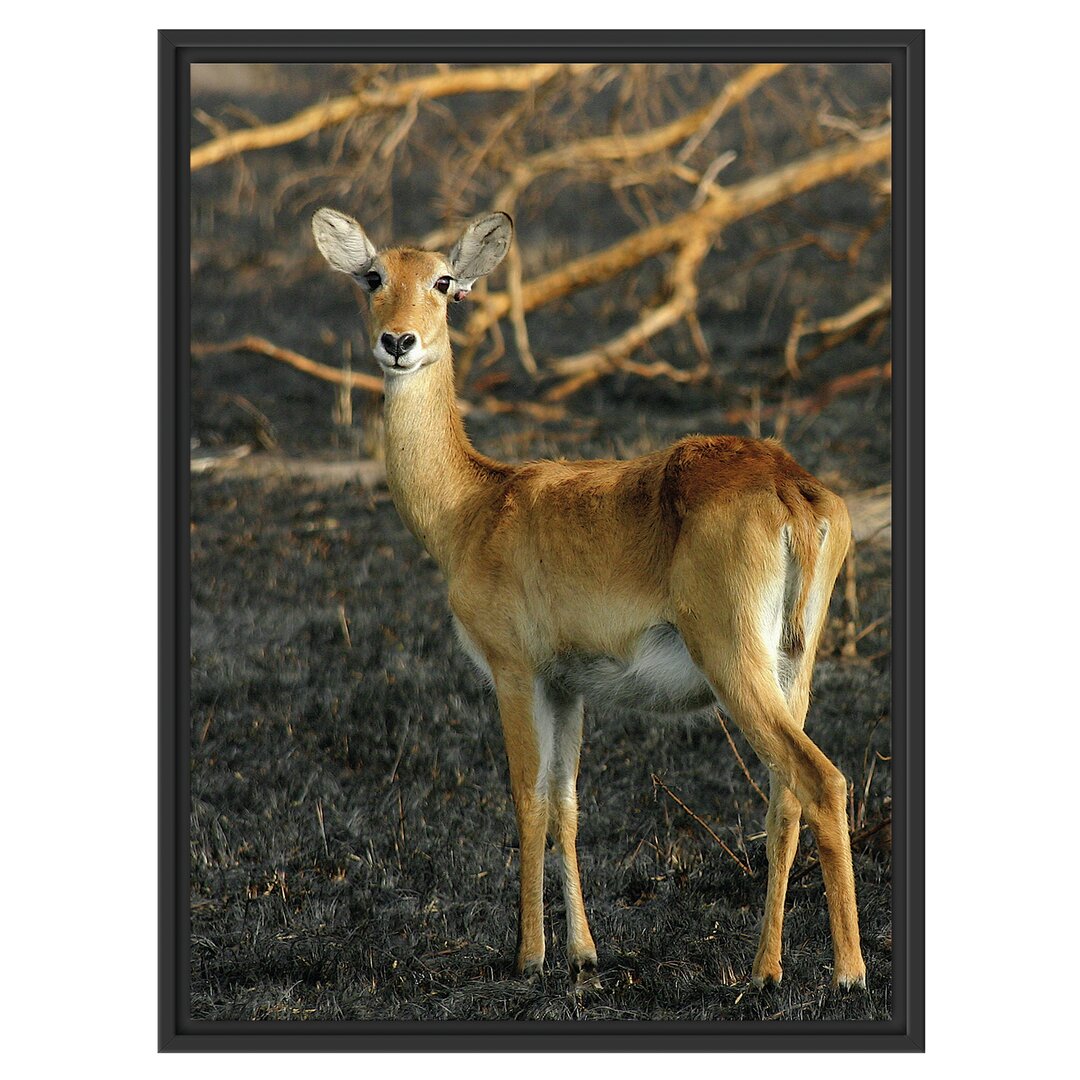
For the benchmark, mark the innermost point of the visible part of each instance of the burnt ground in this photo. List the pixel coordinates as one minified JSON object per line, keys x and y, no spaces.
{"x":352,"y":840}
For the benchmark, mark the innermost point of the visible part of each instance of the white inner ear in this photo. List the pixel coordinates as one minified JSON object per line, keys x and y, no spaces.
{"x":342,"y":241}
{"x":483,"y":245}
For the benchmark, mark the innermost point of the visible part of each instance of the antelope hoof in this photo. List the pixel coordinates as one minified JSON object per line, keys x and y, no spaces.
{"x":583,"y":975}
{"x":530,"y":969}
{"x":855,"y":979}
{"x":765,"y":972}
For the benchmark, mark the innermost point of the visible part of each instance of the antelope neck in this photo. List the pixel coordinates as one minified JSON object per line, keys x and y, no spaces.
{"x":431,"y":467}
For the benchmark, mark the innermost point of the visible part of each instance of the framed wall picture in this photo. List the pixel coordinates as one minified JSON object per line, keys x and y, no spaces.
{"x":541,"y":540}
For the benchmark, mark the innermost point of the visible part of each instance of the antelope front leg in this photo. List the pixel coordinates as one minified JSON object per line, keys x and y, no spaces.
{"x":565,"y":717}
{"x":528,"y":786}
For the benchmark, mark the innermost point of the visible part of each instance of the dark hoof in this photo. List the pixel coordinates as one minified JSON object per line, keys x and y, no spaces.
{"x":763,"y":979}
{"x":766,"y":970}
{"x":531,"y":970}
{"x":583,"y":975}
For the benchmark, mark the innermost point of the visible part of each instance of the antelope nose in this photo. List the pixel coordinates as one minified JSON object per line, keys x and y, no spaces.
{"x":398,"y":344}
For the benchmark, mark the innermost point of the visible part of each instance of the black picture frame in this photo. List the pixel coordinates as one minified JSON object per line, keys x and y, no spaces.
{"x":904,"y":50}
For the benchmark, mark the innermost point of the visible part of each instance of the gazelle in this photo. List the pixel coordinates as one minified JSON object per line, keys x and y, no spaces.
{"x":694,"y":576}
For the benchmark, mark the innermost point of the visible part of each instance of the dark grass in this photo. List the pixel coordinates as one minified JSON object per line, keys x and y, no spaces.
{"x":400,"y":902}
{"x":353,"y":853}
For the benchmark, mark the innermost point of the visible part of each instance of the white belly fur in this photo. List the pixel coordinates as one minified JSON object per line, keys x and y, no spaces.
{"x":659,"y":677}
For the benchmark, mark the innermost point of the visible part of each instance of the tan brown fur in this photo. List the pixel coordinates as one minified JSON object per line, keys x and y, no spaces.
{"x":401,"y":303}
{"x":551,"y":558}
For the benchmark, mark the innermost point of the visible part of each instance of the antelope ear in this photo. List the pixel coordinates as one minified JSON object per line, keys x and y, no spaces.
{"x":342,"y":242}
{"x":483,"y":245}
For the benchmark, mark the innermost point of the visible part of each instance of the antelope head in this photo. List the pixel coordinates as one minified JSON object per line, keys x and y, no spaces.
{"x":408,"y":290}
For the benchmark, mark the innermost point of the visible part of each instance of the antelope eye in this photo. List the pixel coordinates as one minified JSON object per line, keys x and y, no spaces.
{"x":443,"y":285}
{"x":373,"y":279}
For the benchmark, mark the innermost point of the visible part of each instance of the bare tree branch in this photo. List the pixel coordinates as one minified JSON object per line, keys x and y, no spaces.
{"x":252,"y":343}
{"x":358,"y":381}
{"x":619,"y":146}
{"x":723,"y":206}
{"x":836,"y":328}
{"x":402,"y":94}
{"x":588,"y":366}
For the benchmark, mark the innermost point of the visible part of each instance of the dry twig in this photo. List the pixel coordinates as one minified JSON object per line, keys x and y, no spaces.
{"x":739,"y":759}
{"x":744,"y":867}
{"x":809,"y":406}
{"x":836,"y":328}
{"x":851,"y":601}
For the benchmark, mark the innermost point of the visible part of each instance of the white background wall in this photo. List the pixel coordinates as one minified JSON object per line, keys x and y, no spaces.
{"x":77,"y":423}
